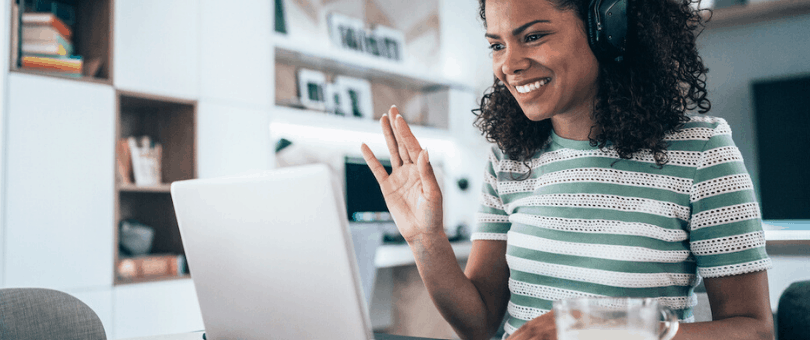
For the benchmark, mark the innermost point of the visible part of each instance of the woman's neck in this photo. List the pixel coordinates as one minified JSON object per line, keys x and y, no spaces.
{"x":574,"y":126}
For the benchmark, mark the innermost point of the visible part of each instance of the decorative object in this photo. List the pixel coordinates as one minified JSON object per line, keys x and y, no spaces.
{"x":280,"y":23}
{"x":146,"y":157}
{"x":312,"y":89}
{"x":346,"y":32}
{"x":357,"y":100}
{"x":390,"y":42}
{"x":353,"y":34}
{"x":135,"y":238}
{"x":334,"y":99}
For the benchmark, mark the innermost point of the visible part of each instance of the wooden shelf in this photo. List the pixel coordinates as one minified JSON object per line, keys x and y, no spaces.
{"x":356,"y":64}
{"x":163,"y":188}
{"x":752,"y":13}
{"x":56,"y":75}
{"x":393,"y":255}
{"x":317,"y":120}
{"x":119,"y":282}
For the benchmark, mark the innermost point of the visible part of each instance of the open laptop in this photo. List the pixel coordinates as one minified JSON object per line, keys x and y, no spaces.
{"x":271,"y":256}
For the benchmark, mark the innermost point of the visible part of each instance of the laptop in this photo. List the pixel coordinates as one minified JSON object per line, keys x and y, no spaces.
{"x":271,"y":256}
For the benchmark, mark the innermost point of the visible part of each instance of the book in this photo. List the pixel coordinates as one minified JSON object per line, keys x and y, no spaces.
{"x":124,"y":161}
{"x":47,"y":19}
{"x":151,"y":266}
{"x":41,"y":33}
{"x":146,"y":158}
{"x":15,"y":34}
{"x":48,"y":63}
{"x":58,"y":46}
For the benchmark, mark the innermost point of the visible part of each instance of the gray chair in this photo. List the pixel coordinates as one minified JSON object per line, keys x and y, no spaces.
{"x":793,"y":312}
{"x":42,"y":314}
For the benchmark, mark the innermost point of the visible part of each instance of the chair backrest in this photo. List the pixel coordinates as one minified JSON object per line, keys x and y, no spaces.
{"x":41,"y":314}
{"x":793,"y":313}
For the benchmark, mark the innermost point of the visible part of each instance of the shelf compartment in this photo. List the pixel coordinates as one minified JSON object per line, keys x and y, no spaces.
{"x":91,"y":39}
{"x":172,"y":123}
{"x":157,"y":212}
{"x":167,"y":121}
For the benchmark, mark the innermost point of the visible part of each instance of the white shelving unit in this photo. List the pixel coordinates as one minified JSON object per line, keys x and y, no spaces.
{"x":394,"y":255}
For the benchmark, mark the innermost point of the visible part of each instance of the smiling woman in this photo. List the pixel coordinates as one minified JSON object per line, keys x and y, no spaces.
{"x":602,"y":183}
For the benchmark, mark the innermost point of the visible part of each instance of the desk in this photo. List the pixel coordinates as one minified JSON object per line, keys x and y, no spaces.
{"x":198,"y":336}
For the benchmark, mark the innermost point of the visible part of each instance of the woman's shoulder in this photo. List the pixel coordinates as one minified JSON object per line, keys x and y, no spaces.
{"x":700,"y":127}
{"x":705,"y":121}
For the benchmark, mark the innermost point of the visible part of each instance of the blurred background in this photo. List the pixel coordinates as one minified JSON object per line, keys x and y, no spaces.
{"x":106,"y":102}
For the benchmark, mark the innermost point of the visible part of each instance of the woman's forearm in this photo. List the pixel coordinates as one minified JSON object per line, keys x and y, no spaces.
{"x":453,"y":293}
{"x":740,"y":327}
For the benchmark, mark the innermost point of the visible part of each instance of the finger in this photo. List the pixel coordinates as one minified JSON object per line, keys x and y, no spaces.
{"x":391,"y":140}
{"x":430,"y":187}
{"x":407,"y":139}
{"x":403,"y":152}
{"x":376,"y":168}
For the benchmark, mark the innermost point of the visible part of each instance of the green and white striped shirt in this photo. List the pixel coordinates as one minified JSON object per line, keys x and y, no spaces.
{"x":587,"y":223}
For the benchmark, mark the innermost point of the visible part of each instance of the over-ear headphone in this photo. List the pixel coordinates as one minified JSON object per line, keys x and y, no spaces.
{"x":607,"y":28}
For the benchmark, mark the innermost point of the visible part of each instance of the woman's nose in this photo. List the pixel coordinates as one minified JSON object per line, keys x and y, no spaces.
{"x":514,"y":61}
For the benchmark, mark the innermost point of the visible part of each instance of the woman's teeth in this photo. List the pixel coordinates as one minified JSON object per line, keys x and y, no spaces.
{"x":533,"y":86}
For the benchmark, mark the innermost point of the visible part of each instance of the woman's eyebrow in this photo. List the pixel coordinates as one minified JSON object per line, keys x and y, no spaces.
{"x":518,"y":30}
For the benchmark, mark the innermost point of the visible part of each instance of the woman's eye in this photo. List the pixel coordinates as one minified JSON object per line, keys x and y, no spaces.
{"x":496,"y":47}
{"x":533,"y":37}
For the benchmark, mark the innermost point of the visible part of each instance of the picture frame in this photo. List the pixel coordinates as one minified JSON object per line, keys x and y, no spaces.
{"x":390,"y":42}
{"x":347,"y":32}
{"x":312,"y":89}
{"x":334,"y":99}
{"x":357,"y":100}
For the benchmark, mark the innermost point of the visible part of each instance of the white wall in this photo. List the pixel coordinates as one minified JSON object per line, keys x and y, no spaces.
{"x":736,"y":56}
{"x":5,"y":16}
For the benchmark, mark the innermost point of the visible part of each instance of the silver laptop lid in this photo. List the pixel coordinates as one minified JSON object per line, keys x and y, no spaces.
{"x":271,"y":256}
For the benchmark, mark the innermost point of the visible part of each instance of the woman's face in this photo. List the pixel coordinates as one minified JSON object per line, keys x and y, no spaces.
{"x":542,"y":56}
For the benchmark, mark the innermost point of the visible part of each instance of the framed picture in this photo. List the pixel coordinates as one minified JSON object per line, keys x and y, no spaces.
{"x":390,"y":42}
{"x":334,"y":99}
{"x":356,"y":100}
{"x":346,"y":32}
{"x":312,"y":89}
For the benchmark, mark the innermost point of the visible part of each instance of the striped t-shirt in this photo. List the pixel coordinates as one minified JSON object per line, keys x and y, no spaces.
{"x":587,"y":223}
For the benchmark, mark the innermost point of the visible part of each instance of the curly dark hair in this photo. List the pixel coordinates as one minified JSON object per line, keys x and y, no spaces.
{"x":639,"y":100}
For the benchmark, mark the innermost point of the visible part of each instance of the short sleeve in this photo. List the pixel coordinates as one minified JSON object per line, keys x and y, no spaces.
{"x":726,"y":234}
{"x":492,"y":222}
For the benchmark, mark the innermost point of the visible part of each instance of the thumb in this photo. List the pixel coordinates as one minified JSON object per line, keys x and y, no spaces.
{"x":430,"y":187}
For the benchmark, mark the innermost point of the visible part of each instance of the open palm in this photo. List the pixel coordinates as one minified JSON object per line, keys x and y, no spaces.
{"x":411,"y":190}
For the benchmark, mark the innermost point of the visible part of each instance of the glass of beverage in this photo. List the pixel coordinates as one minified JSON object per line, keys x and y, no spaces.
{"x":613,"y":318}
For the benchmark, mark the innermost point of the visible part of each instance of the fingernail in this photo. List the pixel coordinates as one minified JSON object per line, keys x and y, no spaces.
{"x":394,"y":107}
{"x":427,"y":155}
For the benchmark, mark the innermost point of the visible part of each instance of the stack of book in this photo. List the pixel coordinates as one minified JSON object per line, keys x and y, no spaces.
{"x":46,"y":45}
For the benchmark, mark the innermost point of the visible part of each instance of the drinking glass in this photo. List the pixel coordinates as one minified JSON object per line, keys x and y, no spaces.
{"x":613,"y":318}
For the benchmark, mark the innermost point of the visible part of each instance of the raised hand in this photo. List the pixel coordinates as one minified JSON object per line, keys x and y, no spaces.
{"x":411,"y":190}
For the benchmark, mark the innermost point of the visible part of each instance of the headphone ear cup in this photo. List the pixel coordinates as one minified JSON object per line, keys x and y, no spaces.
{"x":591,"y":28}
